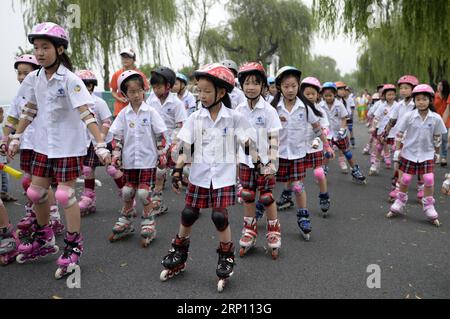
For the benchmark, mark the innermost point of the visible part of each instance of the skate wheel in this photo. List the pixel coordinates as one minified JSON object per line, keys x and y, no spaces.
{"x":390,"y":215}
{"x":221,"y":285}
{"x":4,"y":260}
{"x":275,"y":254}
{"x":306,"y":237}
{"x":112,"y":238}
{"x":164,"y":275}
{"x":325,"y":215}
{"x":20,"y":258}
{"x":60,"y":273}
{"x":436,"y":223}
{"x":145,"y":242}
{"x":242,"y":252}
{"x":56,"y":248}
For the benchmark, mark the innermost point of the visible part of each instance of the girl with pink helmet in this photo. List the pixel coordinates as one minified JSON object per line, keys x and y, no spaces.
{"x":418,"y":140}
{"x":104,"y":120}
{"x":310,"y":88}
{"x":212,"y":178}
{"x":405,"y":85}
{"x":58,"y":106}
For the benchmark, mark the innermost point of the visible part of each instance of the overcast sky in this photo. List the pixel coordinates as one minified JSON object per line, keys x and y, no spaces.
{"x":13,"y":36}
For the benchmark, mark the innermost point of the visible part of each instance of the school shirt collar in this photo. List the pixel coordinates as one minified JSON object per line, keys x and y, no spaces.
{"x":59,"y":75}
{"x":223,"y":113}
{"x":143,"y":108}
{"x":259,"y":105}
{"x":417,"y":115}
{"x":298,"y":104}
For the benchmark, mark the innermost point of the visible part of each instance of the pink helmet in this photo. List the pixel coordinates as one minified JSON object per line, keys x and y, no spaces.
{"x":408,"y":79}
{"x":87,"y":76}
{"x":26,"y":58}
{"x":388,"y":87}
{"x":312,"y":82}
{"x":251,"y":68}
{"x":423,"y":89}
{"x":219,"y":74}
{"x":124,"y":76}
{"x":50,"y":31}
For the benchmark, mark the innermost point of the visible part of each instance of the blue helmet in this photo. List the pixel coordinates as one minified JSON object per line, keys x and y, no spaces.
{"x":182,"y":78}
{"x":271,"y":80}
{"x":329,"y":85}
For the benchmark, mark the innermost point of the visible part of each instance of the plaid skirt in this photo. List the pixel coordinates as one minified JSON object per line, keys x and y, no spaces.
{"x":199,"y":197}
{"x":342,"y":144}
{"x":412,"y":168}
{"x":91,"y":159}
{"x":26,"y":157}
{"x":291,"y":170}
{"x":250,"y":180}
{"x":313,"y":160}
{"x":136,"y":177}
{"x":62,"y":169}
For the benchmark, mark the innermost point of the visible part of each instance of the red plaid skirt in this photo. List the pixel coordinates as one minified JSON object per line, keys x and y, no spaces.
{"x":199,"y":197}
{"x":62,"y":169}
{"x":136,"y":177}
{"x":313,"y":160}
{"x":412,"y":168}
{"x":342,"y":144}
{"x":26,"y":157}
{"x":91,"y":159}
{"x":250,"y":180}
{"x":291,"y":170}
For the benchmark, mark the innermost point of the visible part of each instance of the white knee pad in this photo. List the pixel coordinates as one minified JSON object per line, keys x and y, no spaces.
{"x":128,"y":193}
{"x":37,"y":194}
{"x":65,"y":196}
{"x":161,"y":173}
{"x":143,"y":195}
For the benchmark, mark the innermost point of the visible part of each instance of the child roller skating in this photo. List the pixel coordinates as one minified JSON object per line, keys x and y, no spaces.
{"x":420,"y":144}
{"x":8,"y":239}
{"x":212,"y":179}
{"x":91,"y":162}
{"x":139,"y":157}
{"x":62,"y":121}
{"x":296,"y":113}
{"x":337,"y":116}
{"x":257,"y":168}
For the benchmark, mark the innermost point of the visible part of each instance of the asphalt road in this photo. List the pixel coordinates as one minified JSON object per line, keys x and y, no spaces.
{"x":413,"y":255}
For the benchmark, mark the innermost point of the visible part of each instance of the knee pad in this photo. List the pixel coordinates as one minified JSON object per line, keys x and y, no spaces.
{"x":348,"y":155}
{"x":428,"y":180}
{"x":379,"y":147}
{"x":248,"y":196}
{"x":186,"y":170}
{"x":220,"y":218}
{"x":87,"y":171}
{"x":406,"y":179}
{"x":266,"y":198}
{"x":319,"y":174}
{"x":143,"y":195}
{"x":128,"y":193}
{"x":113,"y":172}
{"x":26,"y":182}
{"x":298,"y":187}
{"x":65,"y":196}
{"x":189,"y":216}
{"x":37,"y":194}
{"x":161,"y":173}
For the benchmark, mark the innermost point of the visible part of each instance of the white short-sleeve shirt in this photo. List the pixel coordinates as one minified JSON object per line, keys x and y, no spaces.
{"x":101,"y":112}
{"x":237,"y":97}
{"x":418,"y":144}
{"x":138,"y":132}
{"x":214,"y":161}
{"x":264,"y":119}
{"x":59,"y":130}
{"x":14,"y":111}
{"x":172,"y":111}
{"x":335,"y":114}
{"x":398,"y":112}
{"x":190,"y":103}
{"x":293,"y":136}
{"x":382,"y":115}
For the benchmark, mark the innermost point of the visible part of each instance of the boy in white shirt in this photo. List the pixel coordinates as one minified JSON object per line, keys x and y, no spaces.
{"x":140,"y":144}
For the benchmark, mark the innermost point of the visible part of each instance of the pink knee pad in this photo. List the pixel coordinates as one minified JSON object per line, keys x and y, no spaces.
{"x":65,"y":196}
{"x":379,"y":147}
{"x":26,"y":182}
{"x":428,"y":180}
{"x":113,"y":172}
{"x":87,"y":171}
{"x":319,"y":174}
{"x":37,"y":194}
{"x":406,"y":179}
{"x":298,"y":187}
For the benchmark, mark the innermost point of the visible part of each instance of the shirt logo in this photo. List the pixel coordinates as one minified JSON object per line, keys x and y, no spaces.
{"x":132,"y":125}
{"x":301,"y":116}
{"x":260,"y":121}
{"x":145,"y":122}
{"x":77,"y":89}
{"x":61,"y":92}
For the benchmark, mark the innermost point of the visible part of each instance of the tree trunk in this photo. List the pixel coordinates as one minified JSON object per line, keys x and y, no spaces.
{"x":106,"y":67}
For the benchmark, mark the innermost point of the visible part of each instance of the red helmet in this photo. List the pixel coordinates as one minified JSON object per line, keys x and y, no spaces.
{"x":423,"y":89}
{"x":388,"y":87}
{"x":220,"y":75}
{"x":408,"y":79}
{"x":341,"y":85}
{"x":87,"y":76}
{"x":251,"y":68}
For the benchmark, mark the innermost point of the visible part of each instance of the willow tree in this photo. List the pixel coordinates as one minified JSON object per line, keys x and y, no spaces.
{"x":257,"y":29}
{"x":104,"y":26}
{"x":411,"y":35}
